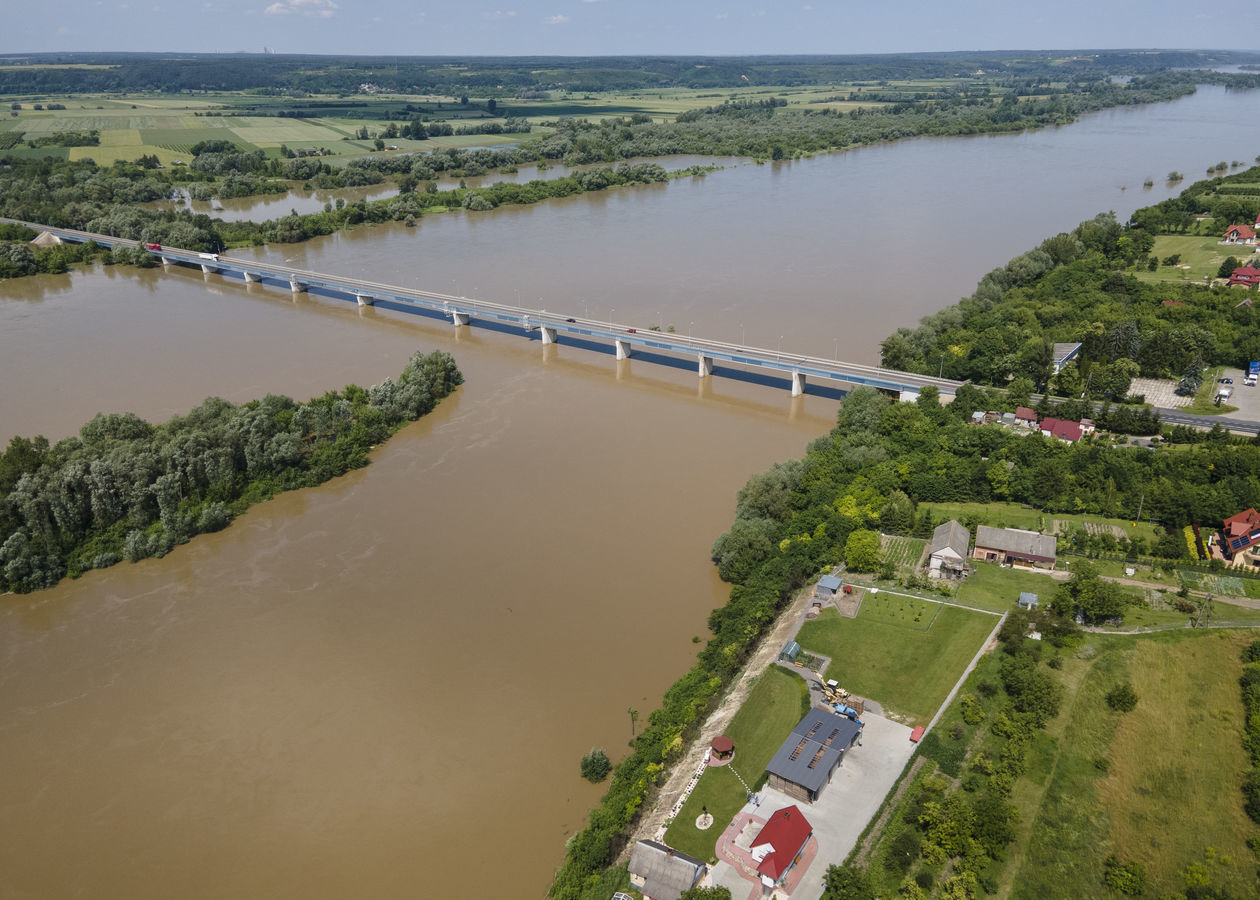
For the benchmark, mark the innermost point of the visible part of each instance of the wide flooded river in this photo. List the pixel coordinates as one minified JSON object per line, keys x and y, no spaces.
{"x":382,"y":687}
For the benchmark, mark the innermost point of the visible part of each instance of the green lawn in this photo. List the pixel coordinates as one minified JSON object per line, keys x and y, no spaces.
{"x":1201,"y":253}
{"x":1001,"y":515}
{"x":885,"y":655}
{"x":1178,"y":807}
{"x":774,"y":706}
{"x":995,"y":588}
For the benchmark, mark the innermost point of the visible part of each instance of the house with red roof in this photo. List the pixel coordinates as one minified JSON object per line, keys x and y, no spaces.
{"x":1241,"y":533}
{"x":1245,"y":276}
{"x":1062,"y":429}
{"x":1025,"y":416}
{"x":1238,"y":234}
{"x":779,"y":845}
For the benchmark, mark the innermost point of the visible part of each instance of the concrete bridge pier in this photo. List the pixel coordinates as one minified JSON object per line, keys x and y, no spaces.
{"x":252,"y":278}
{"x":168,"y":261}
{"x":209,"y":270}
{"x":548,"y":334}
{"x":296,"y":286}
{"x":460,"y":318}
{"x":798,"y":383}
{"x":705,"y":365}
{"x":623,"y":348}
{"x":365,"y":299}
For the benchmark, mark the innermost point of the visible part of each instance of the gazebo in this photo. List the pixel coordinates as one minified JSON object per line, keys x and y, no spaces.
{"x":723,"y":750}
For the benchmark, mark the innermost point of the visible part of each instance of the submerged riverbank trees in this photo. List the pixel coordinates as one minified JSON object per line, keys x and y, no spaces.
{"x":1083,"y":287}
{"x":868,"y":474}
{"x":127,"y":489}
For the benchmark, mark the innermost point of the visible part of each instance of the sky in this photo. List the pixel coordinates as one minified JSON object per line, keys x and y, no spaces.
{"x":611,"y":27}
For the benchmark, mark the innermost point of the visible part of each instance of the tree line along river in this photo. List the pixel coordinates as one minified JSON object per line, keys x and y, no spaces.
{"x":383,"y":685}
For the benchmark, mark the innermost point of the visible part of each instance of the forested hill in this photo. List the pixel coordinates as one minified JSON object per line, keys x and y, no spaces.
{"x":1084,"y":286}
{"x":46,"y":73}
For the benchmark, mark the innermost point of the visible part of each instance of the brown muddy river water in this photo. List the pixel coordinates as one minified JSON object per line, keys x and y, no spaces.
{"x":382,"y":687}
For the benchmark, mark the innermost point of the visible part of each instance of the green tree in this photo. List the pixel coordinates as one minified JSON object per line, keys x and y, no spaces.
{"x":716,"y":892}
{"x":1227,"y":267}
{"x":595,"y":765}
{"x":846,"y":883}
{"x":1122,"y":698}
{"x":861,"y":550}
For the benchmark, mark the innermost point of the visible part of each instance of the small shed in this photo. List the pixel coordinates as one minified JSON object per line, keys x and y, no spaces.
{"x":1027,"y":600}
{"x":723,"y":748}
{"x":828,"y":587}
{"x":791,"y":650}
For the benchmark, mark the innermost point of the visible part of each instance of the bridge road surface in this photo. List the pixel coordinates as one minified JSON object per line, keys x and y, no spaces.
{"x":463,"y":310}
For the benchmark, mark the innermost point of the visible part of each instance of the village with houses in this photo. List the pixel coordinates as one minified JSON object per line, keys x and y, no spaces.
{"x":776,"y":795}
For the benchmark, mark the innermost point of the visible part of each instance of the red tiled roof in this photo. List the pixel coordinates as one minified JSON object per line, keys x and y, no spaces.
{"x":1023,"y":412}
{"x":1064,"y":430}
{"x":787,"y":831}
{"x":1242,"y":231}
{"x":1242,"y":522}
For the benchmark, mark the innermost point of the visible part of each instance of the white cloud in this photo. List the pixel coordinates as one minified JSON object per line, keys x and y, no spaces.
{"x":499,"y":14}
{"x":556,"y":20}
{"x":324,"y":9}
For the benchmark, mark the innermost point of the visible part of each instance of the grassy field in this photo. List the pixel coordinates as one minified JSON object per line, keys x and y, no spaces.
{"x":774,"y":706}
{"x":995,"y":588}
{"x":1013,"y":515}
{"x":1171,"y":797}
{"x":1202,"y":254}
{"x":886,"y":655}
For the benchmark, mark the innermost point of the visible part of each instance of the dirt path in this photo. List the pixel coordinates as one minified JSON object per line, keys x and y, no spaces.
{"x":685,"y":767}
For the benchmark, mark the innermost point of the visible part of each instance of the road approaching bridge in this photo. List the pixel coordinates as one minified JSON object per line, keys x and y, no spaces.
{"x":550,"y":326}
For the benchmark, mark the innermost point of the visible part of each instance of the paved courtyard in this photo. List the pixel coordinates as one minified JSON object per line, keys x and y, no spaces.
{"x":847,"y":804}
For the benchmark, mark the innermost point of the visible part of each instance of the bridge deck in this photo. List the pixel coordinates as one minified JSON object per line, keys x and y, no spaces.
{"x":812,"y":367}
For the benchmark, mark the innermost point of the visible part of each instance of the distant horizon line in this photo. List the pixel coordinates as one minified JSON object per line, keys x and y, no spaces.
{"x":270,"y":51}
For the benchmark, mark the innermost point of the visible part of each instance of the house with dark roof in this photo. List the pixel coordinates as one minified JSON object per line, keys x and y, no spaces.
{"x":1238,"y":234}
{"x":947,"y":553}
{"x":803,"y":766}
{"x":1244,"y":276}
{"x":1065,"y":353}
{"x":660,"y":872}
{"x":1015,"y":547}
{"x":779,"y":845}
{"x":1025,"y":416}
{"x":1240,"y":533}
{"x":1062,"y":429}
{"x":1027,"y":600}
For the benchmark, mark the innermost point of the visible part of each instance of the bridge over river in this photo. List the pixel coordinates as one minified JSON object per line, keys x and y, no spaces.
{"x":550,"y":327}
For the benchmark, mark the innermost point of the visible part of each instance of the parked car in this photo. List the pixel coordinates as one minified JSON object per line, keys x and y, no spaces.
{"x":1225,"y":380}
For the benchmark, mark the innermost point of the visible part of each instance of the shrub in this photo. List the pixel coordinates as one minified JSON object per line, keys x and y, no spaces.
{"x":1127,"y":878}
{"x":1122,"y":697}
{"x":1252,"y":653}
{"x":595,"y":765}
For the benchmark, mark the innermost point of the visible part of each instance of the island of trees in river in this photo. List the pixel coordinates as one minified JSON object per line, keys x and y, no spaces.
{"x":127,"y":489}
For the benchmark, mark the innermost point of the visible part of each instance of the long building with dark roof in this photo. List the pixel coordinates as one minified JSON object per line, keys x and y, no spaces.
{"x":803,"y":766}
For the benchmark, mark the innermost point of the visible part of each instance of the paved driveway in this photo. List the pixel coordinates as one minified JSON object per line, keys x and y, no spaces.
{"x":845,"y":807}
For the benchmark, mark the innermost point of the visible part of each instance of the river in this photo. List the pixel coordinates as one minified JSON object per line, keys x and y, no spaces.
{"x":382,"y":687}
